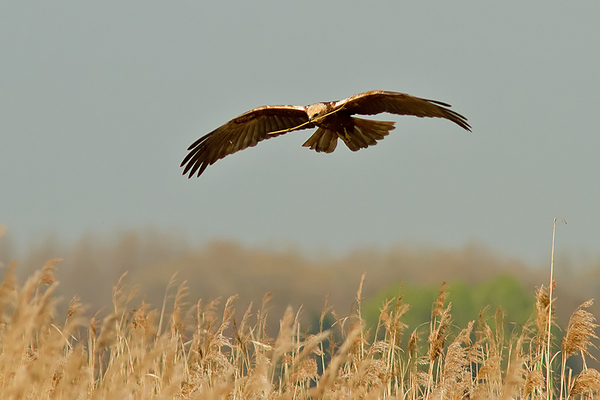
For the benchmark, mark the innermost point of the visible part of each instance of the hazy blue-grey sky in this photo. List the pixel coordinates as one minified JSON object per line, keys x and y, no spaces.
{"x":99,"y":101}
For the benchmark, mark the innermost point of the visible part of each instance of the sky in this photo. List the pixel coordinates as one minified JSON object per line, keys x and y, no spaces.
{"x":100,"y":100}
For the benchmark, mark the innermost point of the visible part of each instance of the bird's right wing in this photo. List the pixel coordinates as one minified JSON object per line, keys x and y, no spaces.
{"x":241,"y":132}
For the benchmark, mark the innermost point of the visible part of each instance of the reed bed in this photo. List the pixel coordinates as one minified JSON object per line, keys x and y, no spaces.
{"x":200,"y":350}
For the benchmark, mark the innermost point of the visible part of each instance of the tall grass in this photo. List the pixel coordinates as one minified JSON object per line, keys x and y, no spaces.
{"x":191,"y":351}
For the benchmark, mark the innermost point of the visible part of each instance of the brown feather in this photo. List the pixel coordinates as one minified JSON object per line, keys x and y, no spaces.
{"x":242,"y":132}
{"x":333,"y":119}
{"x":378,"y":101}
{"x":367,"y":132}
{"x":322,"y":141}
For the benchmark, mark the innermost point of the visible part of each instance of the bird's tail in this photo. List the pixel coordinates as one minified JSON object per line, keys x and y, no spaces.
{"x":366,"y":133}
{"x":323,"y":141}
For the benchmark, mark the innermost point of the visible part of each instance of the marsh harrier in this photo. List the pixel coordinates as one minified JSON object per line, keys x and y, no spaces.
{"x":333,"y":119}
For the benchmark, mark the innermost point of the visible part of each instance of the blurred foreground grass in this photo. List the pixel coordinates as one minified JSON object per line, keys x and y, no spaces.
{"x":190,"y":351}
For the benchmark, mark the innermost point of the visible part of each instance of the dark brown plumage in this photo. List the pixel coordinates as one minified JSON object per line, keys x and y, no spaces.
{"x":333,"y":119}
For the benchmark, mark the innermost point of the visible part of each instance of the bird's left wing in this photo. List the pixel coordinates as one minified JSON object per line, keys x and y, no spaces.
{"x":378,"y":101}
{"x":241,"y":132}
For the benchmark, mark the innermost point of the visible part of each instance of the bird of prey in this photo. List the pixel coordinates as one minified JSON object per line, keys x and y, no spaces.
{"x":333,"y":119}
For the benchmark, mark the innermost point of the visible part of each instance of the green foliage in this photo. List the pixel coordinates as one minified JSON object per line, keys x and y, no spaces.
{"x":503,"y":291}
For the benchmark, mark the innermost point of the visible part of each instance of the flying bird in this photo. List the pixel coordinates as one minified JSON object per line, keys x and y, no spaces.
{"x":333,"y":120}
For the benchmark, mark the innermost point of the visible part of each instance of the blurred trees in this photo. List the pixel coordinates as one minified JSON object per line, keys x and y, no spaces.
{"x":92,"y":265}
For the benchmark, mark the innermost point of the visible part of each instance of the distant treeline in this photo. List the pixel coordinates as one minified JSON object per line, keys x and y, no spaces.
{"x":160,"y":261}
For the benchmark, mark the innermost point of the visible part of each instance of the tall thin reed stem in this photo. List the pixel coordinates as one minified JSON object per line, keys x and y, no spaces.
{"x":548,"y":360}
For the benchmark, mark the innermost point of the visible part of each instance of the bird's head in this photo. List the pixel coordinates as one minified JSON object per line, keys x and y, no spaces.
{"x":316,"y":110}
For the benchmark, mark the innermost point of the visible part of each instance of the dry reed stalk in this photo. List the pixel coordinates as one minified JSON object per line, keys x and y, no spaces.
{"x":491,"y":370}
{"x":549,"y":386}
{"x":262,"y":320}
{"x":411,"y":370}
{"x":128,"y":357}
{"x":164,"y":305}
{"x":544,"y":319}
{"x":283,"y":345}
{"x":8,"y":291}
{"x":241,"y":350}
{"x":580,"y":332}
{"x":413,"y":344}
{"x":389,"y":321}
{"x":328,"y":379}
{"x":438,"y":333}
{"x":440,"y":302}
{"x":359,"y":313}
{"x":285,"y":341}
{"x":456,"y":377}
{"x":326,"y":310}
{"x":514,"y":380}
{"x":586,"y":383}
{"x":534,"y":384}
{"x":304,"y":367}
{"x":33,"y":351}
{"x":209,"y":370}
{"x":259,"y":381}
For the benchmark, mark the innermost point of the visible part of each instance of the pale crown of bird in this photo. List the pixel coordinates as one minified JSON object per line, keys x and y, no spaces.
{"x":314,"y":110}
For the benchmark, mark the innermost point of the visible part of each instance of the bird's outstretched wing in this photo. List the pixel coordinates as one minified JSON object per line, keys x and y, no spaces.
{"x":241,"y":132}
{"x":378,"y":101}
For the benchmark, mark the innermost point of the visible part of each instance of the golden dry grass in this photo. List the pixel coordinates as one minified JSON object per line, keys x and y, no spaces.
{"x":188,"y":350}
